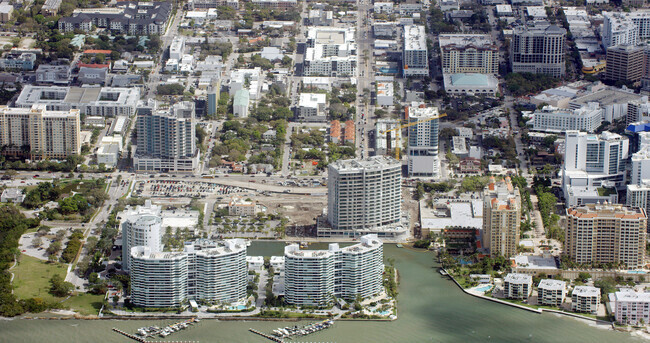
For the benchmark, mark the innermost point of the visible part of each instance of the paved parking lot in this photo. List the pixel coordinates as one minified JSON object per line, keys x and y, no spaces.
{"x":174,"y":188}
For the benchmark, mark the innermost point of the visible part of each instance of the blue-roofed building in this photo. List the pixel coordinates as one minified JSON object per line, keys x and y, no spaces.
{"x":471,"y":83}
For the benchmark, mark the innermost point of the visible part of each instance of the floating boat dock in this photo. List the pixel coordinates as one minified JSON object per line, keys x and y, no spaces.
{"x":134,"y":337}
{"x":273,"y":338}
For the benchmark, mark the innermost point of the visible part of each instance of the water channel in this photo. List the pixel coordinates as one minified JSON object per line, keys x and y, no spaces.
{"x":430,"y":309}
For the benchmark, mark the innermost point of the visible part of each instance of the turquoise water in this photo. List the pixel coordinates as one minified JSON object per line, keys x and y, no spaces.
{"x":484,"y":288}
{"x":636,"y":272}
{"x":430,"y":309}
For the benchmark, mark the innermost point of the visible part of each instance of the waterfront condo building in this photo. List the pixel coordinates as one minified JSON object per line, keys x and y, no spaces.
{"x":594,"y":167}
{"x":141,"y":226}
{"x":364,"y":196}
{"x":213,"y":272}
{"x":422,"y":147}
{"x":37,"y":133}
{"x":158,"y":279}
{"x":316,"y":277}
{"x":630,"y":307}
{"x":606,"y":233}
{"x":551,"y":292}
{"x":538,"y":50}
{"x":585,"y":299}
{"x":517,"y":286}
{"x":501,"y":218}
{"x":166,"y":139}
{"x":415,"y":60}
{"x":468,"y":53}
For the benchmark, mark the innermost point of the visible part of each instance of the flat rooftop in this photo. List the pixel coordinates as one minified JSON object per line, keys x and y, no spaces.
{"x":414,"y":37}
{"x":586,"y":291}
{"x":552,"y":284}
{"x":373,"y":162}
{"x":535,"y":262}
{"x":606,"y":97}
{"x":467,"y":214}
{"x":466,"y":40}
{"x":518,"y":278}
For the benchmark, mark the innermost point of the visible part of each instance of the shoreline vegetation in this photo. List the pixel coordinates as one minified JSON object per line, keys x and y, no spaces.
{"x":526,"y":307}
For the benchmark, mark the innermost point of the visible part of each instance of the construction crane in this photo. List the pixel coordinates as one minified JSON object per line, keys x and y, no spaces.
{"x":398,"y":130}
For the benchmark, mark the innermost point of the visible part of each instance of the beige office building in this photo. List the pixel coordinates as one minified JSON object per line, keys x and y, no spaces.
{"x":604,"y":233}
{"x":501,"y":217}
{"x":37,"y":133}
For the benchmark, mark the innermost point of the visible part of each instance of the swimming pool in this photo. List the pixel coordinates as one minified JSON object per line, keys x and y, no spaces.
{"x":484,"y":288}
{"x":237,"y":308}
{"x":636,"y":272}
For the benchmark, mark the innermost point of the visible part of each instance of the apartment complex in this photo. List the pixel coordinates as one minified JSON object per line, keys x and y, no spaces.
{"x":469,"y":53}
{"x":311,"y":107}
{"x":213,"y":272}
{"x":557,"y":120}
{"x":625,"y":27}
{"x":315,"y":277}
{"x":414,"y":54}
{"x":585,"y":299}
{"x":538,"y":50}
{"x":166,"y":139}
{"x":127,"y":17}
{"x":606,"y":233}
{"x":551,"y":292}
{"x":331,"y":51}
{"x":630,"y":307}
{"x":92,"y":101}
{"x":593,"y":163}
{"x":422,"y":149}
{"x":276,"y":4}
{"x":517,"y":286}
{"x":638,"y":191}
{"x":364,"y":196}
{"x":501,"y":217}
{"x":625,"y":63}
{"x":37,"y":133}
{"x":382,"y":144}
{"x":141,"y":226}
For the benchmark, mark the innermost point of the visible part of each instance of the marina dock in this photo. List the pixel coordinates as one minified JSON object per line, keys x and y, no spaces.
{"x":273,"y":338}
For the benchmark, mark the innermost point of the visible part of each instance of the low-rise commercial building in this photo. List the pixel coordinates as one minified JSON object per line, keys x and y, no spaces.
{"x":311,"y":107}
{"x":472,"y":84}
{"x":240,"y":207}
{"x":550,"y":119}
{"x":13,"y":195}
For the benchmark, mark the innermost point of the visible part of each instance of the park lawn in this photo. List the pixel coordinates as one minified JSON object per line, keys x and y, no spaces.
{"x":32,"y":278}
{"x":84,"y":303}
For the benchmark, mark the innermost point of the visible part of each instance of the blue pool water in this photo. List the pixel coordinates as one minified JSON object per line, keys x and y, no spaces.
{"x":484,"y":288}
{"x":237,"y":308}
{"x":635,"y":272}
